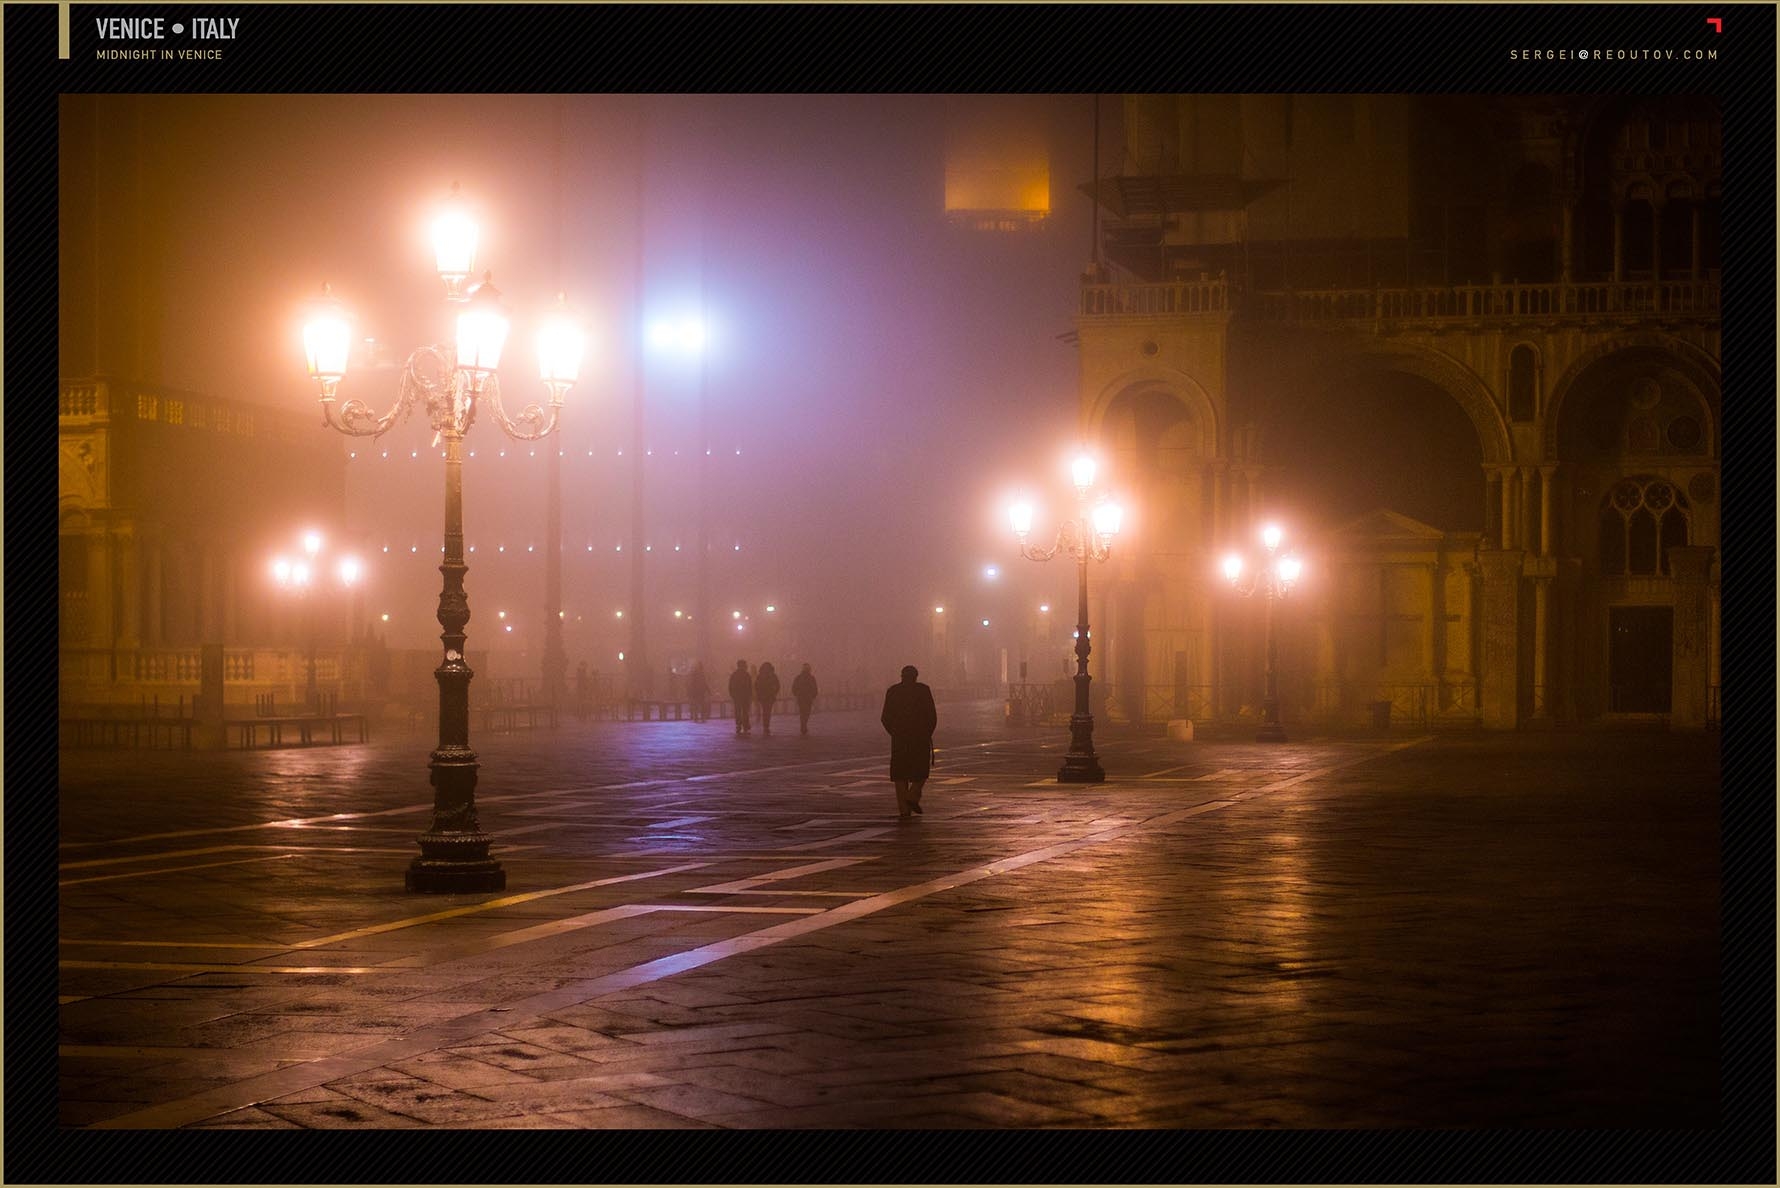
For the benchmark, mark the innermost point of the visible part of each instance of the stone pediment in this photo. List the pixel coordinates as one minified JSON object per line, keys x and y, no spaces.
{"x":1384,"y":525}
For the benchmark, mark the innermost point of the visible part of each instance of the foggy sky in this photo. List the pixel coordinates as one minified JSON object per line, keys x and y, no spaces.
{"x":886,"y":377}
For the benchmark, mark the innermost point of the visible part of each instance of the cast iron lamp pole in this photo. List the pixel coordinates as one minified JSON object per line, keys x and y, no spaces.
{"x":452,"y":382}
{"x":1273,"y":580}
{"x":1086,"y":537}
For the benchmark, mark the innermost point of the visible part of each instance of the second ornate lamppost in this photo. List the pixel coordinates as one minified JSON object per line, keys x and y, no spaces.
{"x":1273,"y":580}
{"x":453,"y":382}
{"x":1088,"y":536}
{"x":301,"y":577}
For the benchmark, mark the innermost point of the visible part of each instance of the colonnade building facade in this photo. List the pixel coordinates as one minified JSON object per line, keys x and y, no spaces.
{"x":1467,"y":351}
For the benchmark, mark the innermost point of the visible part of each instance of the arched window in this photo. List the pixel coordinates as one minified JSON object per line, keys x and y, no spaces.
{"x":1522,"y":378}
{"x":1641,"y":520}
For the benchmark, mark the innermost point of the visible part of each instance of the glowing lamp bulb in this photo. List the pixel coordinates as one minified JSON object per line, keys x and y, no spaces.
{"x":1289,"y":568}
{"x":1081,"y":471}
{"x":1020,"y":516}
{"x":327,"y":337}
{"x":281,"y":571}
{"x":350,"y":569}
{"x":454,"y":241}
{"x":1107,"y":518}
{"x":481,"y":330}
{"x":560,"y":342}
{"x":1232,"y":567}
{"x":1271,"y":536}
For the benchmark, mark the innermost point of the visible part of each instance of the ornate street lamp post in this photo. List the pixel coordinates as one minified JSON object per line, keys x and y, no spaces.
{"x":1088,"y":536}
{"x":300,"y":577}
{"x":453,"y":382}
{"x":1273,"y":580}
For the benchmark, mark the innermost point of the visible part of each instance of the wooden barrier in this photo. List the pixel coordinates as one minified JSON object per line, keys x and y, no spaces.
{"x":300,"y":730}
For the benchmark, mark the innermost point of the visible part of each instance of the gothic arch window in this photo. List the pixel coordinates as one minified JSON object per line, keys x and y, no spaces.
{"x":1523,"y":379}
{"x":1641,"y":520}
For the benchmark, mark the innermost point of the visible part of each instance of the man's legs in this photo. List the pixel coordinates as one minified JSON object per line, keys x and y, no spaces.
{"x":914,"y":795}
{"x":803,"y":717}
{"x":902,"y":799}
{"x":741,"y":717}
{"x":766,"y":717}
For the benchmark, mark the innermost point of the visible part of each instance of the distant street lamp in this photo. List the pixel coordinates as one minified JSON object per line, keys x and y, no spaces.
{"x":1273,"y":579}
{"x":1088,"y":536}
{"x":452,"y":381}
{"x":299,"y":576}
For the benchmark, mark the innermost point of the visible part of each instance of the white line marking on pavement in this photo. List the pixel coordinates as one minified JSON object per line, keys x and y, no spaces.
{"x":160,"y":870}
{"x":739,"y":886}
{"x":518,"y":1013}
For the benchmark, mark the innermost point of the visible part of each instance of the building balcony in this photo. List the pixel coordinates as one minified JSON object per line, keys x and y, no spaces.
{"x":1442,"y":305}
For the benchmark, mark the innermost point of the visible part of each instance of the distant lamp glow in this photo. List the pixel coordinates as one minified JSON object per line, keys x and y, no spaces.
{"x":350,"y":569}
{"x":299,"y":573}
{"x":1081,"y":471}
{"x":770,"y":608}
{"x":312,"y":542}
{"x":281,"y":571}
{"x":1044,"y":608}
{"x":500,"y":614}
{"x":327,"y":340}
{"x":939,"y":610}
{"x":1289,"y":569}
{"x":1107,"y":518}
{"x":386,"y":616}
{"x":689,"y":335}
{"x":1232,"y":567}
{"x":985,"y":622}
{"x":735,"y":614}
{"x":454,"y":244}
{"x":560,"y":343}
{"x":679,"y":614}
{"x":990,"y":572}
{"x":1020,"y":515}
{"x":1271,"y":535}
{"x":481,"y":330}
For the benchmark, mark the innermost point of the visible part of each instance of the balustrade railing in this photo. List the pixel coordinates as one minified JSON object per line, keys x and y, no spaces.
{"x":1680,"y":298}
{"x":1169,"y":300}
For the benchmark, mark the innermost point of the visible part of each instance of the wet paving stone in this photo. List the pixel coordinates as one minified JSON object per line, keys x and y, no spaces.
{"x":1452,"y":931}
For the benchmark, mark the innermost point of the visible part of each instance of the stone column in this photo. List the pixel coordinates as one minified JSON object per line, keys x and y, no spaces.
{"x":151,"y":593}
{"x":1431,"y":627}
{"x":1541,"y":634}
{"x":1546,"y":489}
{"x":207,"y":616}
{"x":1499,"y":694}
{"x":1697,"y":271}
{"x":1526,"y":540}
{"x":1691,"y":566}
{"x":1567,"y":250}
{"x":1506,"y":481}
{"x":101,"y":631}
{"x":129,"y":634}
{"x":231,"y":598}
{"x":1618,"y":242}
{"x":1656,"y":244}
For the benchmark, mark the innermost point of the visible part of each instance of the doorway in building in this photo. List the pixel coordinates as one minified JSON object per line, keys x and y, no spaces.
{"x":1640,"y":659}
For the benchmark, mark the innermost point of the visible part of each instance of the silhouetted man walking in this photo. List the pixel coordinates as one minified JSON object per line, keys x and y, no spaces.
{"x":766,"y":691}
{"x":910,"y":719}
{"x":741,"y":692}
{"x":803,"y":690}
{"x":698,"y":692}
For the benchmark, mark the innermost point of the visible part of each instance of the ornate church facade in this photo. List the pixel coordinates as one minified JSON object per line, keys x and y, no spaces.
{"x":1466,"y":352}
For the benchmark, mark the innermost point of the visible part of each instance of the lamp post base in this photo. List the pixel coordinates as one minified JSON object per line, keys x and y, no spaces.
{"x":453,"y":863}
{"x":451,"y":878}
{"x":1271,"y":732}
{"x":1081,"y":769}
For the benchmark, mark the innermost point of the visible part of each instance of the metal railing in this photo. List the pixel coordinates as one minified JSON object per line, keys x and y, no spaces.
{"x":1159,"y":703}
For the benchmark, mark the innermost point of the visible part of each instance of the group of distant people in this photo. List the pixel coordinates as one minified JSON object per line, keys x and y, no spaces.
{"x":909,"y":718}
{"x":750,"y":689}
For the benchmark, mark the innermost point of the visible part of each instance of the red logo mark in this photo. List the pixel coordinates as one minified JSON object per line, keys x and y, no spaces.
{"x":1717,"y":24}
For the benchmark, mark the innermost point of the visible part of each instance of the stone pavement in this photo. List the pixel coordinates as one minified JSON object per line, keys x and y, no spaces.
{"x":706,"y":931}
